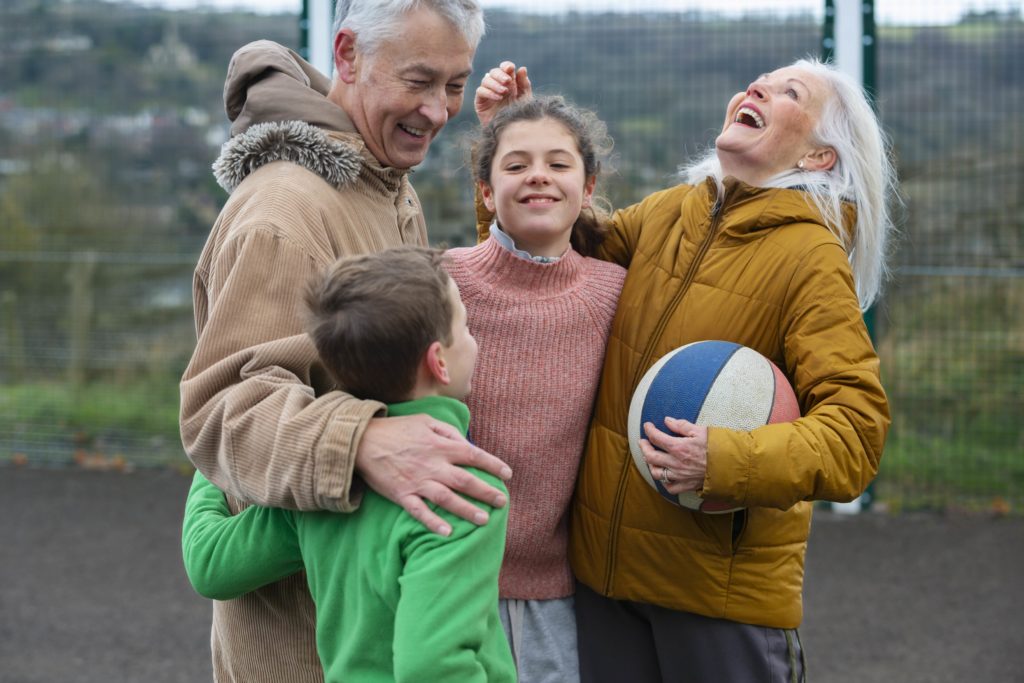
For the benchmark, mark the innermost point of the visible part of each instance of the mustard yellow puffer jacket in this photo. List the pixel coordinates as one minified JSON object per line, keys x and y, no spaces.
{"x":758,"y":269}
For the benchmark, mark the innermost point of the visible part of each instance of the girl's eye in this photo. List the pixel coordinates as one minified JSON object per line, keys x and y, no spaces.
{"x":515,"y":167}
{"x":560,"y":166}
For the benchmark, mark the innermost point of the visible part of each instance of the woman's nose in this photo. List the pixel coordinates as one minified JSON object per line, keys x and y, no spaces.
{"x":756,"y":90}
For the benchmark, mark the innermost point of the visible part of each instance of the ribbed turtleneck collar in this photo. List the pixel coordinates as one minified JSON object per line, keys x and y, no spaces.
{"x":502,"y":270}
{"x":505,"y":240}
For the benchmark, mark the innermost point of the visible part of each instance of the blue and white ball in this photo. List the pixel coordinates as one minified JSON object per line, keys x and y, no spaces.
{"x":711,"y":383}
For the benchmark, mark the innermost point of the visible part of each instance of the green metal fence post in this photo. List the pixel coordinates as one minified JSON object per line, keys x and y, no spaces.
{"x":867,"y":74}
{"x":315,"y":33}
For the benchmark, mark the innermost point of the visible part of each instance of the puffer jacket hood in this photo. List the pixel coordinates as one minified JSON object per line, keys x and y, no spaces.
{"x":277,"y":103}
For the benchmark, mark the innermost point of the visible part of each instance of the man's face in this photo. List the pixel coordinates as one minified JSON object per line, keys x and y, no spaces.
{"x":401,"y":96}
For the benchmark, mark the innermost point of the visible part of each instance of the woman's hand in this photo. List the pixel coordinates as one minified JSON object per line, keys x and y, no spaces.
{"x":678,"y":459}
{"x":501,"y":86}
{"x":413,"y":459}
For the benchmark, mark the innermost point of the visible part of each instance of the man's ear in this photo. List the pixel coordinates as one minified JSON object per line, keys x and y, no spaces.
{"x":820,"y":159}
{"x":345,"y":56}
{"x":435,"y":365}
{"x":487,"y":194}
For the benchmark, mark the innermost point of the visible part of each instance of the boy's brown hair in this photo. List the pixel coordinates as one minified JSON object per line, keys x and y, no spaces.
{"x":373,"y":317}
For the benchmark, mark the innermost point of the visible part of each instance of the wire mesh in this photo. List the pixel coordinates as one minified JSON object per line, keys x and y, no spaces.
{"x":105,"y":201}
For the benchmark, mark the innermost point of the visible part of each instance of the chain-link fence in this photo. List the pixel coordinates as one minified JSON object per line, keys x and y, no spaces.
{"x":93,"y":346}
{"x":952,"y":326}
{"x":105,"y":202}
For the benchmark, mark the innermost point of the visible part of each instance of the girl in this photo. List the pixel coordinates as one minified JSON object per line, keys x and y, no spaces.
{"x":541,"y":310}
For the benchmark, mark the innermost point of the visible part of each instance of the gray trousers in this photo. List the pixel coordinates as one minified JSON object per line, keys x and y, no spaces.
{"x":542,"y":635}
{"x":631,"y":641}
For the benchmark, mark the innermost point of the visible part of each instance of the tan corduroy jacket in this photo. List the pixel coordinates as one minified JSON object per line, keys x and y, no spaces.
{"x":758,"y":268}
{"x":257,"y":416}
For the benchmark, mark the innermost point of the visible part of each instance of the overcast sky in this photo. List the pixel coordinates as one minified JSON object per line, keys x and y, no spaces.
{"x":886,"y":11}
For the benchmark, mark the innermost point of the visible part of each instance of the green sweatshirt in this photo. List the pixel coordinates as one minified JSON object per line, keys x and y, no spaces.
{"x":394,"y":601}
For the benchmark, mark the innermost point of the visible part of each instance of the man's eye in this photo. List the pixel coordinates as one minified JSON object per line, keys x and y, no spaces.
{"x":456,"y":88}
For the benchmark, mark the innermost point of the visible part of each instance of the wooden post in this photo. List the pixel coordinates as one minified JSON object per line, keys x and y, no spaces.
{"x":80,"y":316}
{"x":15,"y":355}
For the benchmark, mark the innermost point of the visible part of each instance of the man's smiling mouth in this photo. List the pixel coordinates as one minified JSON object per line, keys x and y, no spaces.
{"x":415,"y":132}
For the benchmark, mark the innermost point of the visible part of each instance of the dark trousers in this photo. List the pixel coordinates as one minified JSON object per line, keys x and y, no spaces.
{"x":632,"y":642}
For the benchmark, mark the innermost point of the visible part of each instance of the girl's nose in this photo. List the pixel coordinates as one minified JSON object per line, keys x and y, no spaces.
{"x":538,"y":175}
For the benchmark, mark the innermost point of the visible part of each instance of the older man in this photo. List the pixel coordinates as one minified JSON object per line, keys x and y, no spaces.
{"x":318,"y":170}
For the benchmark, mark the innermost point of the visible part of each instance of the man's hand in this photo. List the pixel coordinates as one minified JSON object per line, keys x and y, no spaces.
{"x":500,"y":86}
{"x":415,"y":458}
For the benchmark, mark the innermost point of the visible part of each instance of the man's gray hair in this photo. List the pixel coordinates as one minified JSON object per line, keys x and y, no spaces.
{"x":377,"y":21}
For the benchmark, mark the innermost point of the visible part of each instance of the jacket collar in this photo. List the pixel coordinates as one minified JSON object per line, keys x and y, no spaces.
{"x":747,"y":209}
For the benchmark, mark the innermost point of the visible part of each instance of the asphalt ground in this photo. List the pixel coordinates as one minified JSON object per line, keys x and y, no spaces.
{"x":92,"y":589}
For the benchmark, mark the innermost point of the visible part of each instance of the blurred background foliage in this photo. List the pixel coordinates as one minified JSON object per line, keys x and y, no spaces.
{"x":111,"y":114}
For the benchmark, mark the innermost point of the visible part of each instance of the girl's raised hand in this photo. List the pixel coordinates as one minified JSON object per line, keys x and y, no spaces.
{"x":500,"y":86}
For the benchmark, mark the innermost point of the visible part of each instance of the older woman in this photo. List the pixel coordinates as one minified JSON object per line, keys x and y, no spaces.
{"x":776,"y":240}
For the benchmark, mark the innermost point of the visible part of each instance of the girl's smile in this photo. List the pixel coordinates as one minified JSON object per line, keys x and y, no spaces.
{"x":538,"y":186}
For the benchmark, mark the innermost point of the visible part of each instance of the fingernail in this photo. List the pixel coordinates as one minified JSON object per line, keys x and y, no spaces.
{"x":444,"y":530}
{"x":499,"y":501}
{"x":480,"y":518}
{"x":506,"y":473}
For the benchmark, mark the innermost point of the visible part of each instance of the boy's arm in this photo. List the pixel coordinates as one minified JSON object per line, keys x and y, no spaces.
{"x":227,"y":555}
{"x":447,"y":626}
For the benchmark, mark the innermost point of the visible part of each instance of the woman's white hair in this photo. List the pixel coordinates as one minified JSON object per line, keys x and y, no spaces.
{"x":377,"y":21}
{"x":863,"y":174}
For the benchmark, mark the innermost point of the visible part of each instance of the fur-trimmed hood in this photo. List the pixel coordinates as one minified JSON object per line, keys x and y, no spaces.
{"x":279,"y":111}
{"x":296,"y":141}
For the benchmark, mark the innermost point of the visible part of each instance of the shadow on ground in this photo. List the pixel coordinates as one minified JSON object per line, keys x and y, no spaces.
{"x":92,"y":589}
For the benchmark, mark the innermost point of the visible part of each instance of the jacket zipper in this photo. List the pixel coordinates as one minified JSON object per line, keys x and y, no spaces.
{"x":620,"y":492}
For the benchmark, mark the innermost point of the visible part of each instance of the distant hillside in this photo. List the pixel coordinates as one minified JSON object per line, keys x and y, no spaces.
{"x":132,"y":99}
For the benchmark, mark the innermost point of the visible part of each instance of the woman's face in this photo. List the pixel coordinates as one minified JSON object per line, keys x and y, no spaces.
{"x":768,"y":127}
{"x":538,"y":185}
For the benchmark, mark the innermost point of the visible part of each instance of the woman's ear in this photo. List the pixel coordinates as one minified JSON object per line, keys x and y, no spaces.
{"x":435,"y":364}
{"x":487,"y":194}
{"x":588,"y":190}
{"x":345,"y":56}
{"x":820,"y":159}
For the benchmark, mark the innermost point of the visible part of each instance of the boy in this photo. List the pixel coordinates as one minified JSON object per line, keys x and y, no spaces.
{"x":394,"y":601}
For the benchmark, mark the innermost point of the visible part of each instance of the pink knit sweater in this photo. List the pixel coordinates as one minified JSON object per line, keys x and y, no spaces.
{"x":541,"y":329}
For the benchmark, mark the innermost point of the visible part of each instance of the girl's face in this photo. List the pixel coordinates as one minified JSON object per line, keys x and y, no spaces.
{"x":538,"y":186}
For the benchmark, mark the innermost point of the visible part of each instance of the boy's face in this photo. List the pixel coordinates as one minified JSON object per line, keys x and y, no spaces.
{"x":460,"y":355}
